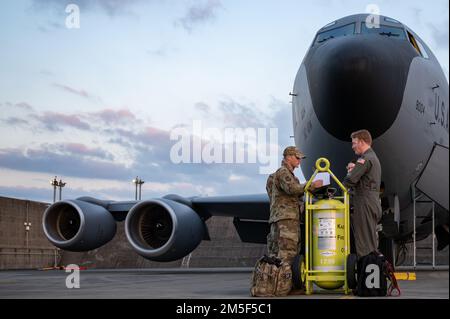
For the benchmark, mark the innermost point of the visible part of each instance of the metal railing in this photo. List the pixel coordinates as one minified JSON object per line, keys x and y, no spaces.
{"x":418,"y":198}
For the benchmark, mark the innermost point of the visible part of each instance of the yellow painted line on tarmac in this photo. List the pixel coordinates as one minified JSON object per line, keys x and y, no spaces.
{"x":410,"y":276}
{"x":347,"y":297}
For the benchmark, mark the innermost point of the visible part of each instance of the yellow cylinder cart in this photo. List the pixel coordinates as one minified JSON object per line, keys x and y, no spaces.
{"x":327,"y":240}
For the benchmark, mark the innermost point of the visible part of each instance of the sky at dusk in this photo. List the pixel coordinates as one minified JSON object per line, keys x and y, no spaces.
{"x":96,"y":105}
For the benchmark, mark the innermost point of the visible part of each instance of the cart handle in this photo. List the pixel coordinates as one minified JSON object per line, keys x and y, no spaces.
{"x":323,"y":165}
{"x":321,"y":168}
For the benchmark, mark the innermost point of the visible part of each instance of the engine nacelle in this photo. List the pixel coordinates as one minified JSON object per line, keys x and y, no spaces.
{"x":163,"y":230}
{"x":75,"y":225}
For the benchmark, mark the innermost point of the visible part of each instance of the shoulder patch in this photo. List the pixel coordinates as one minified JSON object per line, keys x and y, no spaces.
{"x":361,"y":161}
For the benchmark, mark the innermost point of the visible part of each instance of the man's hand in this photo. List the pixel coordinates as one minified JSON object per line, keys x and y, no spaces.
{"x":350,"y":166}
{"x":317,"y":184}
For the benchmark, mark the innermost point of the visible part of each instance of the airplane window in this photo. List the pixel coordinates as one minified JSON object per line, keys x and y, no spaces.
{"x":422,"y":49}
{"x":391,"y":32}
{"x":335,"y":33}
{"x":414,"y":42}
{"x":391,"y":20}
{"x":329,"y":25}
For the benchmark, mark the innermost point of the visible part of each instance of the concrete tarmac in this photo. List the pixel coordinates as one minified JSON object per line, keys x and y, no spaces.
{"x":204,"y":283}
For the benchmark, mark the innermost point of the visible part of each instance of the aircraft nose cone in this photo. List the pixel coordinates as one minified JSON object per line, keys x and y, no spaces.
{"x":358,"y":83}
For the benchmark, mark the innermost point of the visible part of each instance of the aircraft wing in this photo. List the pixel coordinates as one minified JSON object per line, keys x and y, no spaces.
{"x":159,"y":229}
{"x":254,"y":207}
{"x":250,"y":212}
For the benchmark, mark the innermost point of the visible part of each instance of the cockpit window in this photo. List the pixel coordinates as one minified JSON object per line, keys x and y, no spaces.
{"x":391,"y":20}
{"x":335,"y":33}
{"x":384,"y":30}
{"x":422,"y":49}
{"x":329,"y":25}
{"x":418,"y":45}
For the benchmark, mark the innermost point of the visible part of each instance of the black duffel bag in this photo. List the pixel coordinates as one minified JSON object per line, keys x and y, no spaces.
{"x":374,"y":272}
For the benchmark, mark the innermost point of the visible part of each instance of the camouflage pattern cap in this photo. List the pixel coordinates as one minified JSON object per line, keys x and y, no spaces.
{"x":292,"y":150}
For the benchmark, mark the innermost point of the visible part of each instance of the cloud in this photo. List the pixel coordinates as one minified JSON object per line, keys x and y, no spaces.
{"x":125,"y":192}
{"x":437,"y":28}
{"x":53,"y":121}
{"x":151,"y":145}
{"x":120,"y":141}
{"x":281,"y":118}
{"x":15,"y":121}
{"x":22,"y":105}
{"x":231,"y":113}
{"x":110,"y":116}
{"x":44,"y":195}
{"x":152,"y":148}
{"x":48,"y":161}
{"x":93,"y":121}
{"x":81,"y":93}
{"x":199,"y":14}
{"x":80,"y":150}
{"x":148,"y":144}
{"x":240,"y":115}
{"x":146,"y":149}
{"x":147,"y":135}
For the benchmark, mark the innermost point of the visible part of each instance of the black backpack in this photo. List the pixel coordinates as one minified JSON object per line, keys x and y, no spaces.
{"x":374,"y":271}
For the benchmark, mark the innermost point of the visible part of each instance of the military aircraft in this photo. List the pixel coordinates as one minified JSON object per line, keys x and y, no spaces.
{"x":384,"y":79}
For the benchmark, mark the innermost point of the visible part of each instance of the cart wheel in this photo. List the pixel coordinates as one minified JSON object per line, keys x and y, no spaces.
{"x":298,"y":272}
{"x":352,"y":260}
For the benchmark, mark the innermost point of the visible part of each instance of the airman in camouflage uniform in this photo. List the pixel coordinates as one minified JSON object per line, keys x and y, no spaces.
{"x":364,"y":179}
{"x":285,"y":192}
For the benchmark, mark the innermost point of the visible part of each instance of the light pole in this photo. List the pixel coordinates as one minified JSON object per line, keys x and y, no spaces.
{"x":140,"y":188}
{"x":137,"y":181}
{"x":27,"y":229}
{"x":54,"y":183}
{"x":134,"y":181}
{"x":61,"y":185}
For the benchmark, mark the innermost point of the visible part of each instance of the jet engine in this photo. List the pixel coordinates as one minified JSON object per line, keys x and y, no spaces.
{"x":76,"y":225}
{"x":163,"y":230}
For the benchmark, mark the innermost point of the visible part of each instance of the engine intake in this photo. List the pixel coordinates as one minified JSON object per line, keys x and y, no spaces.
{"x":76,"y":225}
{"x":163,"y":230}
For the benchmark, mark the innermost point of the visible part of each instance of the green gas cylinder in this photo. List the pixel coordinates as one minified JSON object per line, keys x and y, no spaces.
{"x":328,"y":250}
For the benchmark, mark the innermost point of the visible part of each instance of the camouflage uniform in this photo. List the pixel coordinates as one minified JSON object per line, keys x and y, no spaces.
{"x":365,"y":180}
{"x":269,"y":185}
{"x":284,"y":190}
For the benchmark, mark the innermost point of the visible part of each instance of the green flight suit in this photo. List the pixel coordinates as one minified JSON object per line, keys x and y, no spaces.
{"x":364,"y":181}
